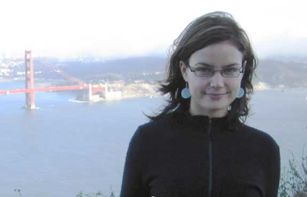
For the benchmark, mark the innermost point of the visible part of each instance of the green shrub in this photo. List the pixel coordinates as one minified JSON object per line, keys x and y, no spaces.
{"x":293,"y":181}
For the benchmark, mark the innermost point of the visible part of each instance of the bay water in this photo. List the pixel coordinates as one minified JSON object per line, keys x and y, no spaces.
{"x":67,"y":147}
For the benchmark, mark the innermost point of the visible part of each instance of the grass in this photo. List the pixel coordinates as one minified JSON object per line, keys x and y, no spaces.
{"x":97,"y":194}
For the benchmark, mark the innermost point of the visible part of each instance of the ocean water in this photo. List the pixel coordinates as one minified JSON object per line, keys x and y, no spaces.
{"x":66,"y":147}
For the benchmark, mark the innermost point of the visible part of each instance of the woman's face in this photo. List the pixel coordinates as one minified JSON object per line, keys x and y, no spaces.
{"x":211,"y":96}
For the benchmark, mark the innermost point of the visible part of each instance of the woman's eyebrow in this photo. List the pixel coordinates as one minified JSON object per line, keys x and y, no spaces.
{"x":209,"y":65}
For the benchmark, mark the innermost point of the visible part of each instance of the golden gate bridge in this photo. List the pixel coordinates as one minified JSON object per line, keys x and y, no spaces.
{"x":30,"y":90}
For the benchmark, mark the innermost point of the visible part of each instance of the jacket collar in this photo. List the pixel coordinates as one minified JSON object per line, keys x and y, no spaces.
{"x":183,"y":119}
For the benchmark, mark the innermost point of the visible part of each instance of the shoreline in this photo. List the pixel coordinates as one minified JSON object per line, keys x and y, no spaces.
{"x":139,"y":90}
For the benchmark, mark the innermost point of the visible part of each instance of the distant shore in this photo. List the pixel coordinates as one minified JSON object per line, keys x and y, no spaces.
{"x":143,"y":89}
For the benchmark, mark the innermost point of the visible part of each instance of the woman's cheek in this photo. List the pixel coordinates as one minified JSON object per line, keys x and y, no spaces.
{"x":198,"y":89}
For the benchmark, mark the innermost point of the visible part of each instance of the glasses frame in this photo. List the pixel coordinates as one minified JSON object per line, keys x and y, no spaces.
{"x":242,"y":70}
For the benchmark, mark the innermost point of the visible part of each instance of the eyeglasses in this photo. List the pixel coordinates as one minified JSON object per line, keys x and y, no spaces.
{"x":209,"y":72}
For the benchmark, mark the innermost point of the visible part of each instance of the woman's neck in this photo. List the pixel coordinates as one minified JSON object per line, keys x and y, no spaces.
{"x":210,"y":114}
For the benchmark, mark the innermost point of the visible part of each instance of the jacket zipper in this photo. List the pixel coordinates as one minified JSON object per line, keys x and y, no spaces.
{"x":210,"y":158}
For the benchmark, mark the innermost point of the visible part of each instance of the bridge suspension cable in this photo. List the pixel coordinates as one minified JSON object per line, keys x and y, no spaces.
{"x":58,"y":70}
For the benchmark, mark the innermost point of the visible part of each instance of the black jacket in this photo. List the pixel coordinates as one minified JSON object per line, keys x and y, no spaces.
{"x":195,"y":156}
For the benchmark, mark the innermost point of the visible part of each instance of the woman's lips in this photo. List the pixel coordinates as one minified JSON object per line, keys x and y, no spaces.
{"x":216,"y":95}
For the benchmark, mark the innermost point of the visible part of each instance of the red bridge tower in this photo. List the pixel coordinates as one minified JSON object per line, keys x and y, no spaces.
{"x":29,"y":80}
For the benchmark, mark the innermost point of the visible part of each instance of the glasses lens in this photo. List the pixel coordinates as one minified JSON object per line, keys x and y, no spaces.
{"x":204,"y":72}
{"x":231,"y":72}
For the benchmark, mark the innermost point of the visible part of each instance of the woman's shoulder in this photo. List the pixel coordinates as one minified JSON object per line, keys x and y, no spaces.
{"x":151,"y":132}
{"x":259,"y":137}
{"x":158,"y":125}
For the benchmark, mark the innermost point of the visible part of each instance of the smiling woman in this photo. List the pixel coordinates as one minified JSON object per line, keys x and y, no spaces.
{"x":213,"y":91}
{"x":199,"y":145}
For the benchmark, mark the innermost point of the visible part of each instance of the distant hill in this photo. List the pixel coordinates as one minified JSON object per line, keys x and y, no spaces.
{"x":280,"y":73}
{"x":275,"y":73}
{"x":120,"y":66}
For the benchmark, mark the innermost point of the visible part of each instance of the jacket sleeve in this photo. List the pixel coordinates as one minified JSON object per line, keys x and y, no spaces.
{"x":274,"y":170}
{"x":132,"y":184}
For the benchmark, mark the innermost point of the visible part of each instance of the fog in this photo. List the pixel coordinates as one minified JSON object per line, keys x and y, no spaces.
{"x":129,"y":28}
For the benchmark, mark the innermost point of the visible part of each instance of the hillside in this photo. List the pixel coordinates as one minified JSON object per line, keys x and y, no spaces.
{"x":271,"y":72}
{"x":282,"y":74}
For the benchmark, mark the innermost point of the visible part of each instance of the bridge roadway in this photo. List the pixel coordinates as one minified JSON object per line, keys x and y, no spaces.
{"x":95,"y":88}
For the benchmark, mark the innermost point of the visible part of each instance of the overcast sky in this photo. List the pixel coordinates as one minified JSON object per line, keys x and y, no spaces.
{"x":65,"y":28}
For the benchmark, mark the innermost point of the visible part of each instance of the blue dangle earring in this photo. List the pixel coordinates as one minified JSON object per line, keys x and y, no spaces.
{"x":241,"y":93}
{"x":185,"y":92}
{"x":229,"y":108}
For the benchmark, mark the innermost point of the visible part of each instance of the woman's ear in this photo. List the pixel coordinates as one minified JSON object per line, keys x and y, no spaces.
{"x":184,"y":70}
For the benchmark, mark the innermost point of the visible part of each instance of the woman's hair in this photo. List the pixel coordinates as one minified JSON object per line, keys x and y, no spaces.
{"x":206,"y":30}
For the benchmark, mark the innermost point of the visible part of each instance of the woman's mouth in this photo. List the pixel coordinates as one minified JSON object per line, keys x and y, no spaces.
{"x":216,"y":95}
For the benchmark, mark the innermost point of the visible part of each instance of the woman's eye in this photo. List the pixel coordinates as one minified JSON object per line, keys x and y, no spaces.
{"x":204,"y":70}
{"x":230,"y":70}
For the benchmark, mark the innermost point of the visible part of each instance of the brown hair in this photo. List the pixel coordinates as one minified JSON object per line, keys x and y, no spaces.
{"x":206,"y":30}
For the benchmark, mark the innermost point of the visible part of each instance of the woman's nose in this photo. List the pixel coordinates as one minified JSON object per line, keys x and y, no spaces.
{"x":217,"y":80}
